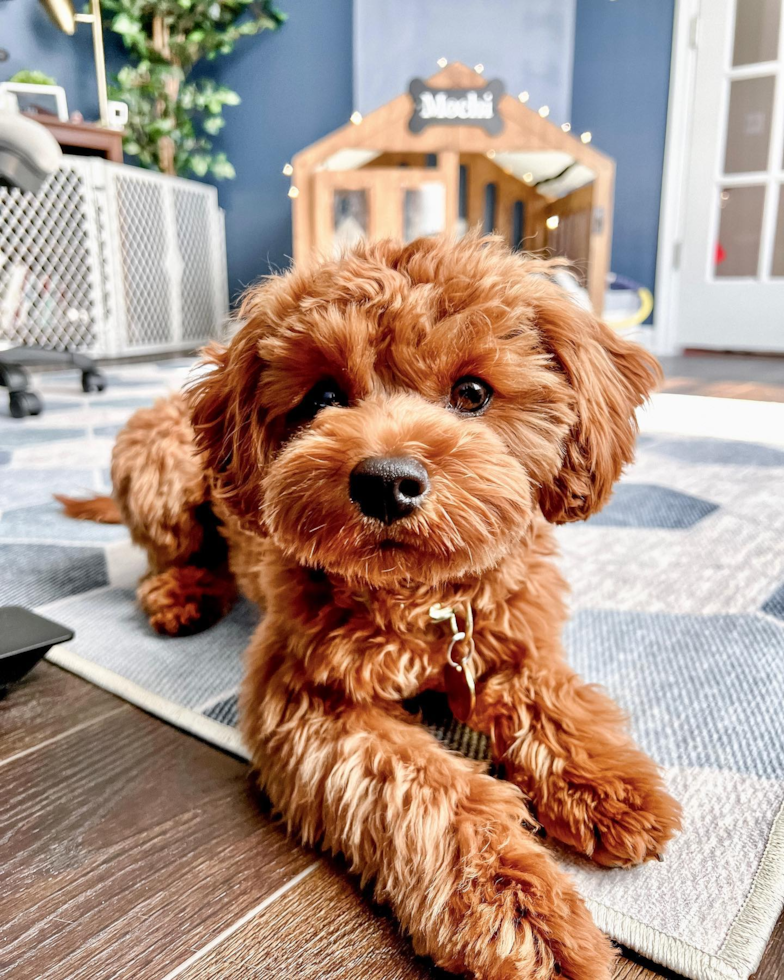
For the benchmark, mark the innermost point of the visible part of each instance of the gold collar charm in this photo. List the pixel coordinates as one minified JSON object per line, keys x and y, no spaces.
{"x":458,"y":676}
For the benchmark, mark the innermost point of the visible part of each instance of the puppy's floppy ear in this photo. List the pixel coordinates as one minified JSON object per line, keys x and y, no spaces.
{"x":610,"y":377}
{"x":228,"y":421}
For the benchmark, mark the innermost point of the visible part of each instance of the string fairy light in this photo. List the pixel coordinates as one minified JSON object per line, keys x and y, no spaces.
{"x":442,"y":62}
{"x":544,"y":111}
{"x":479,"y":68}
{"x":552,"y":222}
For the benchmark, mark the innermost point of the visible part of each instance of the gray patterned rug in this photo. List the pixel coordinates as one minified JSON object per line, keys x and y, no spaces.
{"x":678,"y":609}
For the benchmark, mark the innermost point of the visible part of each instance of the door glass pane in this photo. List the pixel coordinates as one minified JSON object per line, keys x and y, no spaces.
{"x":748,"y":125}
{"x":350,"y":216}
{"x":740,"y":228}
{"x":777,"y":268}
{"x":756,"y":31}
{"x":424,"y":210}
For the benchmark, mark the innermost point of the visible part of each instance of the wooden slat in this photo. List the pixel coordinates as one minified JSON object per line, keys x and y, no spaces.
{"x":44,"y":704}
{"x":601,"y":237}
{"x":482,"y":171}
{"x":449,"y":172}
{"x":387,"y":203}
{"x":627,"y":969}
{"x":772,"y":965}
{"x":634,"y":967}
{"x":579,"y":200}
{"x":126,"y":846}
{"x":397,"y":160}
{"x":323,"y":929}
{"x":725,"y":389}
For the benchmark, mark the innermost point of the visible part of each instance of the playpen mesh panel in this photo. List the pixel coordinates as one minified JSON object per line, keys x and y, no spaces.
{"x":144,"y":250}
{"x":102,"y":262}
{"x":47,"y":298}
{"x":195,"y":239}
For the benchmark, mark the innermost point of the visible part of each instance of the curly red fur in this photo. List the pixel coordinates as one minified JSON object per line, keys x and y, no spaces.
{"x":103,"y":510}
{"x":184,"y":600}
{"x":347,"y":636}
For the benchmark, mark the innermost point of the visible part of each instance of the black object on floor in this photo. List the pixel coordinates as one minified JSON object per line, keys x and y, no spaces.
{"x":24,"y":639}
{"x":13,"y":376}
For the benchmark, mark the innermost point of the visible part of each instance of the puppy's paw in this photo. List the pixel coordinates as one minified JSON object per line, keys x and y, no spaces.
{"x":183,"y":601}
{"x":520,"y":918}
{"x":628,"y":832}
{"x":518,"y":937}
{"x":618,"y":821}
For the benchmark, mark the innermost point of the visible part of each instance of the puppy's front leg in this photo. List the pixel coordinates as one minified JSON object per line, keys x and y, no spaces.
{"x":442,"y":840}
{"x":564,"y":742}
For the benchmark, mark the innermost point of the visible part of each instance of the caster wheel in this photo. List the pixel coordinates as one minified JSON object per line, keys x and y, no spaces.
{"x":15,"y":378}
{"x":93,"y":381}
{"x":24,"y":403}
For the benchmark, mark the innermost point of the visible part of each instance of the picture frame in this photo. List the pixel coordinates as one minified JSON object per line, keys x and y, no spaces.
{"x":34,"y":99}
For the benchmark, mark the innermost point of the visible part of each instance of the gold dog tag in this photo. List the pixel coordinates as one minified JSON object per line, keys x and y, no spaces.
{"x":458,"y":677}
{"x":460,"y":690}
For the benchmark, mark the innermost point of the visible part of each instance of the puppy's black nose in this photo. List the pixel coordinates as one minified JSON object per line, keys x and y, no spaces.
{"x":388,"y":487}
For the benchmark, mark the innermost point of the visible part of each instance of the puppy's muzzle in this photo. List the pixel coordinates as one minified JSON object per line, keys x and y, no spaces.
{"x":387,"y":488}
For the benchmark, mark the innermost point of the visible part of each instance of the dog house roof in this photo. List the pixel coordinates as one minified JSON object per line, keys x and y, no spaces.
{"x":526,"y":143}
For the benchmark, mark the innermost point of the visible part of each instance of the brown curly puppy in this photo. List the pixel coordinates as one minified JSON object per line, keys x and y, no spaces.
{"x":388,"y":431}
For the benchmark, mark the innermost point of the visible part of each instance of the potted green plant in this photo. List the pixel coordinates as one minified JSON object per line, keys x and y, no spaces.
{"x":172,"y":115}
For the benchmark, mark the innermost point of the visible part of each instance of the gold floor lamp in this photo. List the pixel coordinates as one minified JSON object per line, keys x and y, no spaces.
{"x":63,"y":15}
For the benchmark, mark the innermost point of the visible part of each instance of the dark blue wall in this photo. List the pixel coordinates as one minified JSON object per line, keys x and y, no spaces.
{"x":296,"y":86}
{"x":620,"y":91}
{"x":32,"y":41}
{"x":526,"y":43}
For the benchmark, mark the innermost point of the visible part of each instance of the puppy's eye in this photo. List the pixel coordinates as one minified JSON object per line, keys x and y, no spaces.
{"x":326,"y":394}
{"x":470,"y":396}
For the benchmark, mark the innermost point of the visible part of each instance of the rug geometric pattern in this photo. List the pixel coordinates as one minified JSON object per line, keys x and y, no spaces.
{"x":774,"y":606}
{"x":677,"y":609}
{"x":649,"y":505}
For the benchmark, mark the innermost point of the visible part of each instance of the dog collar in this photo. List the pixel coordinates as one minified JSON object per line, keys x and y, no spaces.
{"x":458,"y":675}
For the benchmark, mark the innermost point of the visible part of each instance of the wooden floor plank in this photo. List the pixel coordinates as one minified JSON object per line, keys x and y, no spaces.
{"x":717,"y":366}
{"x":743,"y":390}
{"x":723,"y":376}
{"x":772,"y":965}
{"x":633,"y":967}
{"x":44,"y":704}
{"x":324,"y":929}
{"x":124,"y":848}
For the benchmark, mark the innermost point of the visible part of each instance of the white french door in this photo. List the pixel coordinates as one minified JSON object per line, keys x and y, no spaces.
{"x":731,"y":279}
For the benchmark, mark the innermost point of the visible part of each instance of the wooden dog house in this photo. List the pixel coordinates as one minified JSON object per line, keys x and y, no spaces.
{"x":452,"y":153}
